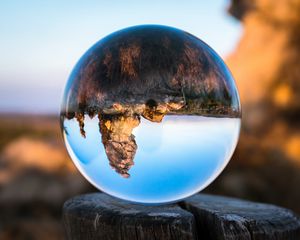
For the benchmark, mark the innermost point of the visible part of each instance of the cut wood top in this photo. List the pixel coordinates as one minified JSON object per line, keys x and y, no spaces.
{"x":229,"y":218}
{"x":99,"y":216}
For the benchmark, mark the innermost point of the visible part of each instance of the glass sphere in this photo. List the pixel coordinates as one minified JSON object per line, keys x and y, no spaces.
{"x":150,"y":114}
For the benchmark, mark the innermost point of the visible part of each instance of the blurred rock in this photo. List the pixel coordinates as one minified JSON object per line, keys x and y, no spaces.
{"x":265,"y":65}
{"x":266,"y":62}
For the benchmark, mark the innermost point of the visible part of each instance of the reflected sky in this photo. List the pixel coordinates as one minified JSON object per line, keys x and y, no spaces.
{"x":174,"y":159}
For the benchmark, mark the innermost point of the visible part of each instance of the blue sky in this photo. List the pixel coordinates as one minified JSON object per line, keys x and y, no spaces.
{"x":40,"y":41}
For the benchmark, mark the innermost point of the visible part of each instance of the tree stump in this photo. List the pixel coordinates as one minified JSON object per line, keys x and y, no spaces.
{"x":99,"y":216}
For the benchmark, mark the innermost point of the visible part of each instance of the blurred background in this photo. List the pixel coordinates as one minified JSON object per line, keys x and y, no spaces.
{"x":41,"y":42}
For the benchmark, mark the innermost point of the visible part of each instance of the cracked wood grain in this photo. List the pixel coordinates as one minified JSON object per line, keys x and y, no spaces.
{"x":99,"y":216}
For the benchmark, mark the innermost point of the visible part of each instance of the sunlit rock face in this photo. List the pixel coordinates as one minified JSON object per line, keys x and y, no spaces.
{"x":118,"y":140}
{"x":146,"y":71}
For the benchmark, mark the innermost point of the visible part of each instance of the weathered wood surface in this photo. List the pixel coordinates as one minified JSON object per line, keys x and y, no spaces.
{"x":228,"y":218}
{"x":99,"y":216}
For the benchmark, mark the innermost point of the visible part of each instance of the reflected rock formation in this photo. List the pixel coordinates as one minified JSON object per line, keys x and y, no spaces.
{"x":146,"y":71}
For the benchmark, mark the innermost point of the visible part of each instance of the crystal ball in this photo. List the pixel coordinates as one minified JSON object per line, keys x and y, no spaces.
{"x":150,"y":114}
